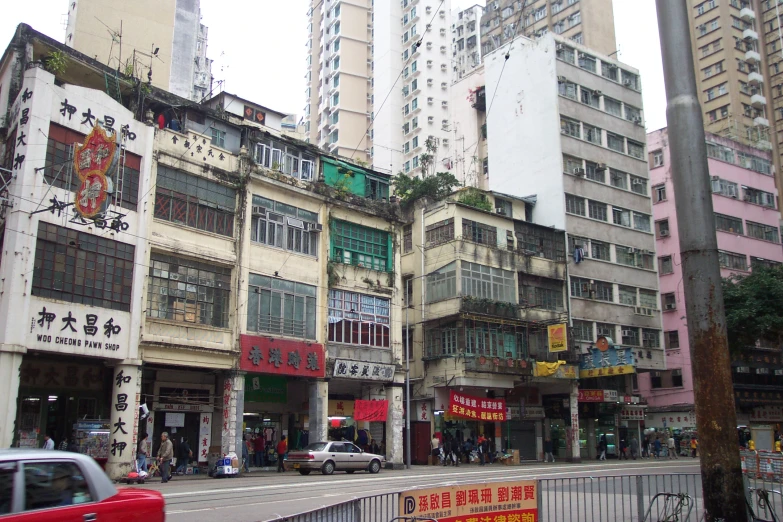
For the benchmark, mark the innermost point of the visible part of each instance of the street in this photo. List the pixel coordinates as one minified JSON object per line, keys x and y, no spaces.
{"x":268,"y":495}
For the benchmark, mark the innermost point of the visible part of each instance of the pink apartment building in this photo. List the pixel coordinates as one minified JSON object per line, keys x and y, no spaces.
{"x":748,"y":228}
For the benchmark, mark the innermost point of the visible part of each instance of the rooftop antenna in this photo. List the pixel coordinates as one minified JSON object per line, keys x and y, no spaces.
{"x":116,"y":37}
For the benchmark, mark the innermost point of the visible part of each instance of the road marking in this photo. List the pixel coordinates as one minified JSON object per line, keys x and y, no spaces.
{"x":214,"y":508}
{"x":547,"y":470}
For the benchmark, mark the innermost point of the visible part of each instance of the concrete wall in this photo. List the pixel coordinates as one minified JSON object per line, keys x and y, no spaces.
{"x":187,"y":21}
{"x":468,"y":147}
{"x":388,"y":62}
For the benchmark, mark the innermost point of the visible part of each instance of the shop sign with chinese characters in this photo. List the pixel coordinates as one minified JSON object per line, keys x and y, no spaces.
{"x":767,"y":413}
{"x":632,"y":413}
{"x":78,"y":329}
{"x":369,"y":371}
{"x":672,"y":419}
{"x":476,"y":408}
{"x":611,"y":360}
{"x":282,"y":357}
{"x":491,"y":502}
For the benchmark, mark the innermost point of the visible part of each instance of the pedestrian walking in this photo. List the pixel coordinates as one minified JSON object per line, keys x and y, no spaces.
{"x":548,"y":450}
{"x":634,"y":447}
{"x":602,"y":445}
{"x":245,"y":454}
{"x":672,"y":445}
{"x":184,"y":454}
{"x":282,"y":447}
{"x":482,"y":449}
{"x":623,"y":450}
{"x":142,"y":452}
{"x":165,"y":454}
{"x":259,"y":446}
{"x":435,"y":448}
{"x":48,"y":442}
{"x":657,"y":447}
{"x":694,"y":447}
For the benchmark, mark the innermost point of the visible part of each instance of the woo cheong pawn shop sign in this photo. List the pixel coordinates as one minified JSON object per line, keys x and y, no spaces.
{"x":282,"y":357}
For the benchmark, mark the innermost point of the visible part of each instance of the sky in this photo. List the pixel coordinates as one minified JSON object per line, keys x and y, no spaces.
{"x":258,"y":46}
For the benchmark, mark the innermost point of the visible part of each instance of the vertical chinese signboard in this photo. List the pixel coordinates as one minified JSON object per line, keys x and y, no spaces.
{"x":492,"y":502}
{"x":93,"y":161}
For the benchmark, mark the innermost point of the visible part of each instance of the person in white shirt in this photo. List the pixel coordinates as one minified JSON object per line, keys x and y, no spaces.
{"x":48,"y":442}
{"x":672,"y":448}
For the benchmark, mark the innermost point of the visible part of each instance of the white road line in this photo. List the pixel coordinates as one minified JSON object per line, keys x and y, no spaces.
{"x":233,"y":506}
{"x":544,"y":470}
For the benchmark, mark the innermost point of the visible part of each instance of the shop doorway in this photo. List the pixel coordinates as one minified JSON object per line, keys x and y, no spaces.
{"x":420,"y":442}
{"x":523,"y":438}
{"x":178,"y":425}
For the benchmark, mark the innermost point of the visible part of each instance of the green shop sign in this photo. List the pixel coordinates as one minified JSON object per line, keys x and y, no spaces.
{"x":266,"y":388}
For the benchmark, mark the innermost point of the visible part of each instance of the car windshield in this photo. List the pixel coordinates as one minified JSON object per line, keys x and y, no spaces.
{"x":316,"y":446}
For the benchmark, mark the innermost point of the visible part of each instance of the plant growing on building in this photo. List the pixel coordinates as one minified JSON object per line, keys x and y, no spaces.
{"x":55,"y":62}
{"x":333,"y":278}
{"x":475,"y":199}
{"x":410,"y":189}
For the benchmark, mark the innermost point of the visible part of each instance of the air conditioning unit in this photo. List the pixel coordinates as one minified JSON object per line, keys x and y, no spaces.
{"x":642,"y":310}
{"x":627,"y":83}
{"x":715,"y":178}
{"x":671,"y":306}
{"x":559,"y":47}
{"x":582,"y":55}
{"x":627,"y":333}
{"x":258,"y":210}
{"x":579,"y":172}
{"x":601,"y":167}
{"x":561,"y":79}
{"x":664,"y":233}
{"x":637,"y":182}
{"x":637,"y":121}
{"x":314,"y":227}
{"x":631,"y":250}
{"x":501,"y":211}
{"x":597,"y":93}
{"x":747,"y":197}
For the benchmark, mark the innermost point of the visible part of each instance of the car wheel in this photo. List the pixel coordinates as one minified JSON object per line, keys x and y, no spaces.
{"x":349,"y":471}
{"x":327,"y":468}
{"x":304,"y":471}
{"x":375,"y":467}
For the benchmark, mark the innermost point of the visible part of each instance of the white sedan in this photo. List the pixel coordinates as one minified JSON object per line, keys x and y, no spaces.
{"x":328,"y":457}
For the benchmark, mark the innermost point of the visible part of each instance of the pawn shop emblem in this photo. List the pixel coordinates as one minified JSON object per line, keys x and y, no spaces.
{"x":93,"y":160}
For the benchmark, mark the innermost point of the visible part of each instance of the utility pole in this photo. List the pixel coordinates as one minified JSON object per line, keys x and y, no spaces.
{"x":716,"y":418}
{"x":407,"y":378}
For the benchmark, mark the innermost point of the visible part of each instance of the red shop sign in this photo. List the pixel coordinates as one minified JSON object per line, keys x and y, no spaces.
{"x":476,"y":408}
{"x":282,"y":357}
{"x":591,"y":396}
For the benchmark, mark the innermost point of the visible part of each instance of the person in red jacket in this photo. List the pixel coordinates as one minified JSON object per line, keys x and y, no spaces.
{"x":282,"y":446}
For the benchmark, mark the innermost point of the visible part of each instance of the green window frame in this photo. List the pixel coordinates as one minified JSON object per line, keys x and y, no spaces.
{"x":361,"y":246}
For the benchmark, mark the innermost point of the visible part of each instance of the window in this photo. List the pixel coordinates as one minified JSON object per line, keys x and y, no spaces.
{"x":594,"y":172}
{"x":757,"y":262}
{"x":732,"y":261}
{"x":724,"y":187}
{"x":597,"y":210}
{"x":639,"y":185}
{"x":660,"y":193}
{"x":543,"y":241}
{"x":281,"y":307}
{"x":565,"y":53}
{"x":284,"y":226}
{"x":605,"y":329}
{"x":56,"y":166}
{"x":361,"y":246}
{"x":587,"y":62}
{"x":615,"y":142}
{"x":665,"y":265}
{"x":407,"y":239}
{"x":633,"y":114}
{"x":648,"y":298}
{"x":621,"y":216}
{"x":567,"y":89}
{"x":479,"y":232}
{"x":589,"y":97}
{"x":82,"y":268}
{"x":627,"y":295}
{"x":441,"y":341}
{"x":641,"y":221}
{"x":582,"y":330}
{"x":218,"y":137}
{"x":613,"y":107}
{"x":630,"y":335}
{"x":671,"y":339}
{"x":570,"y":164}
{"x":728,"y":224}
{"x":618,"y":179}
{"x":651,"y":338}
{"x":635,"y":149}
{"x":677,"y":378}
{"x":540,"y":292}
{"x":484,"y":282}
{"x":188,"y":291}
{"x":442,"y":283}
{"x":599,"y":250}
{"x":570,"y":127}
{"x":575,"y":205}
{"x":762,"y":231}
{"x":592,"y":134}
{"x":54,"y":484}
{"x":580,"y":287}
{"x":440,"y":232}
{"x":580,"y":242}
{"x":758,"y":197}
{"x":194,"y":201}
{"x":609,"y":70}
{"x":604,"y":291}
{"x":358,"y":319}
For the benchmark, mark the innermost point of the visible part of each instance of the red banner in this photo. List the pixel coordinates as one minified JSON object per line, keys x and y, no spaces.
{"x":476,"y":408}
{"x":591,"y":396}
{"x":282,"y":357}
{"x":373,"y":411}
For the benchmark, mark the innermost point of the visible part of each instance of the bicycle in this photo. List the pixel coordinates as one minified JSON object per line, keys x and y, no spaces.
{"x":676,"y":507}
{"x":760,"y":497}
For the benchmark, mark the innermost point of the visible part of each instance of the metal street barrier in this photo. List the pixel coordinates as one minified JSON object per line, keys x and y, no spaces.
{"x":636,"y":498}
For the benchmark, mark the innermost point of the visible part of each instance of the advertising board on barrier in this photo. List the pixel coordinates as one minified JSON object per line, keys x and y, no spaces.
{"x":492,"y":502}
